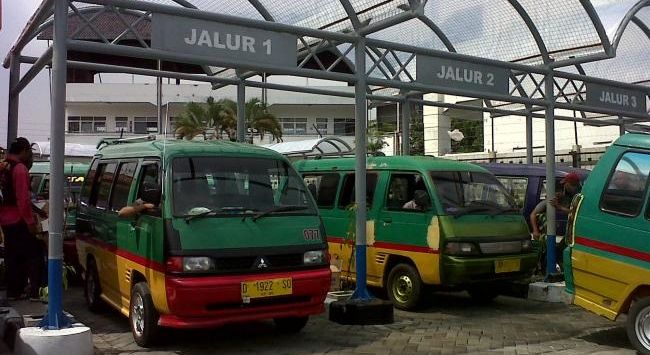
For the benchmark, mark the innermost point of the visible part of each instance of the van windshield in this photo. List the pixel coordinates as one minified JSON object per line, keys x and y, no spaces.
{"x":229,"y":185}
{"x":464,"y":192}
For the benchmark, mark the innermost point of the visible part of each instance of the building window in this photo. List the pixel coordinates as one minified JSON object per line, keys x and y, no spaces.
{"x":86,"y":124}
{"x":145,"y":125}
{"x":321,"y":125}
{"x":121,"y":124}
{"x":294,"y":126}
{"x":344,"y":126}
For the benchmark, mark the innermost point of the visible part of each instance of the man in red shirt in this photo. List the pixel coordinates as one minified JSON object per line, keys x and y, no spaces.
{"x":22,"y":249}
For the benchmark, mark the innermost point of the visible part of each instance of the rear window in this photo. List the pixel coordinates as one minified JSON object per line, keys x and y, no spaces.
{"x":627,"y":185}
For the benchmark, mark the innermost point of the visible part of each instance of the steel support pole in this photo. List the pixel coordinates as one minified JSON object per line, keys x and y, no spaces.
{"x":529,"y":138}
{"x":12,"y":104}
{"x":360,"y":128}
{"x":55,"y":319}
{"x":241,"y":112}
{"x":159,"y":111}
{"x":406,"y":127}
{"x":621,"y":126}
{"x":550,"y":174}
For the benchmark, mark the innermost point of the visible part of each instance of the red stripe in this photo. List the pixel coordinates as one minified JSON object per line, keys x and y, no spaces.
{"x":611,"y":248}
{"x":387,"y":245}
{"x":148,"y":263}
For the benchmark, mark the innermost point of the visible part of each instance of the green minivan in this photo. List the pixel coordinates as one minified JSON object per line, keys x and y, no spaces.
{"x":431,"y":221}
{"x":608,"y":256}
{"x":234,"y":237}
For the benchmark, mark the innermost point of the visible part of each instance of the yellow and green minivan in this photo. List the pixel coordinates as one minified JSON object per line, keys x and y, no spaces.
{"x":431,"y":222}
{"x":235,"y":237}
{"x":608,"y":256}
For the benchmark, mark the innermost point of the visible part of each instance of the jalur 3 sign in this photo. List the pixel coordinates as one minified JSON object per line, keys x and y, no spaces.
{"x":214,"y":40}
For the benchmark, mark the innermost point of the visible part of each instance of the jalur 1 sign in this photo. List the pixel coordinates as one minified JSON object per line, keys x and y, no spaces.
{"x":214,"y":40}
{"x":614,"y":98}
{"x":462,"y":75}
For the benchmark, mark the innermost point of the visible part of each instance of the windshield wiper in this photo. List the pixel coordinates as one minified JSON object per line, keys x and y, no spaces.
{"x":278,"y":209}
{"x":199,"y":215}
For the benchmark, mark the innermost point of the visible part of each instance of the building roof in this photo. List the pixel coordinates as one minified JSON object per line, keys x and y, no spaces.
{"x":174,"y":147}
{"x":634,"y":140}
{"x":414,"y":163}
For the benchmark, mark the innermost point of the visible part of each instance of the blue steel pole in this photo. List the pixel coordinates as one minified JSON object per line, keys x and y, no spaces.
{"x":55,"y":319}
{"x":360,"y":126}
{"x":550,"y":174}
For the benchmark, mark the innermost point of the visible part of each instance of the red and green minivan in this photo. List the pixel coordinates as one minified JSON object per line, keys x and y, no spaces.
{"x":607,"y":263}
{"x":234,"y":237}
{"x":432,"y":224}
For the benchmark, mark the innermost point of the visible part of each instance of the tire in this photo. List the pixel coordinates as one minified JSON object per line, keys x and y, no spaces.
{"x":404,"y":287}
{"x":92,"y":288}
{"x":290,"y":325}
{"x":638,"y":325}
{"x":143,"y":316}
{"x":483,"y":294}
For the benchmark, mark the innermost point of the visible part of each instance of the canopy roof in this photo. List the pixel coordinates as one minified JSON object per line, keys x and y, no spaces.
{"x":319,"y":146}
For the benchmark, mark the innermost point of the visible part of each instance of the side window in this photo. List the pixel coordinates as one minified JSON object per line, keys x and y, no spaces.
{"x":89,"y":181}
{"x":626,"y":189}
{"x":36,"y":183}
{"x":323,"y":188}
{"x":517,"y":187}
{"x":102,"y":190}
{"x":407,"y":191}
{"x":149,"y":179}
{"x":347,"y":191}
{"x":120,"y":195}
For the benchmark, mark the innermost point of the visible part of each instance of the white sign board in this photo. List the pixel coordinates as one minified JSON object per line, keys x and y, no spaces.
{"x":614,"y":98}
{"x":218,"y":40}
{"x":462,"y":75}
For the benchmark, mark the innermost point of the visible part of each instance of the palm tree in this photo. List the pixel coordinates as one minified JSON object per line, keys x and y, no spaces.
{"x":193,"y":122}
{"x":199,"y":119}
{"x":260,"y":119}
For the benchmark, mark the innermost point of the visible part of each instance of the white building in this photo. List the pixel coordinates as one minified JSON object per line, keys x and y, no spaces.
{"x":95,"y":111}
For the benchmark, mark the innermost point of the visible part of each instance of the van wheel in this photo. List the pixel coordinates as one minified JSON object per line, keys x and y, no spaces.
{"x":638,"y":325}
{"x":483,"y":294}
{"x":404,"y":287}
{"x":143,"y":316}
{"x":92,"y":288}
{"x":290,"y":325}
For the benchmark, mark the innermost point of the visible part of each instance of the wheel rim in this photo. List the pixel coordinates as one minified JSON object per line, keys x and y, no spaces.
{"x":643,"y":327}
{"x":90,"y":287}
{"x":403,"y":288}
{"x":137,"y":314}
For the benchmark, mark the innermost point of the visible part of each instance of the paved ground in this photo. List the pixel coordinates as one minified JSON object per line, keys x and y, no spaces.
{"x":452,"y":324}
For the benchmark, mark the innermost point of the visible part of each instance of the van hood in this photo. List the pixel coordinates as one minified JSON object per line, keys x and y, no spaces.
{"x":236,"y":233}
{"x":475,"y":226}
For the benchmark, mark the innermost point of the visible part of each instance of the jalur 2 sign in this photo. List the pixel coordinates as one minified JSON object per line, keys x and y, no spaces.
{"x":218,"y":41}
{"x":462,"y":75}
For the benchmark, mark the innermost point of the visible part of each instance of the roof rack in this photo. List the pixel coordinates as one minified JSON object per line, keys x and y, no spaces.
{"x":113,"y":141}
{"x":330,"y":155}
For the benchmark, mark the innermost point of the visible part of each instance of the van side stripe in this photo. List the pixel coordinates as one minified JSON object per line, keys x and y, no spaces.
{"x":148,"y":263}
{"x":611,"y":248}
{"x":393,"y":246}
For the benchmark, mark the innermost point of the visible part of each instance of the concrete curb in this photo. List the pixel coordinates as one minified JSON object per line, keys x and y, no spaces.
{"x":76,"y":340}
{"x":548,"y":292}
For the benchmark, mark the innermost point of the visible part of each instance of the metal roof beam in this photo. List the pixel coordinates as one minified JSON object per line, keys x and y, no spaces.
{"x":598,"y":25}
{"x":646,"y":30}
{"x":626,"y":20}
{"x":441,"y":35}
{"x":543,"y":51}
{"x":42,"y":13}
{"x":392,"y":21}
{"x":352,"y":14}
{"x":262,"y":10}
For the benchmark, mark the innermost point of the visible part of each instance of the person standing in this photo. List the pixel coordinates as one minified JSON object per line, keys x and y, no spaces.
{"x":22,"y":248}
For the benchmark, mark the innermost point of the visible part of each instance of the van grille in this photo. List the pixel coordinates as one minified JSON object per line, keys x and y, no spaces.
{"x":248,"y":263}
{"x":512,"y":247}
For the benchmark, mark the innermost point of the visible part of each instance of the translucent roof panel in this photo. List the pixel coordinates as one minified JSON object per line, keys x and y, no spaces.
{"x":375,"y":11}
{"x":611,"y":13}
{"x":478,"y":28}
{"x":417,"y":33}
{"x":325,"y":14}
{"x":239,"y":8}
{"x":562,"y":24}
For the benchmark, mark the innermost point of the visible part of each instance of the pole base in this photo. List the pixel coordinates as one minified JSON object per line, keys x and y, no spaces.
{"x":362,"y":312}
{"x":76,"y":340}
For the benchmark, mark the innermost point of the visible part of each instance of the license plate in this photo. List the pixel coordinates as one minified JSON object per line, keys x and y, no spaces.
{"x":266,"y":288}
{"x":501,"y":266}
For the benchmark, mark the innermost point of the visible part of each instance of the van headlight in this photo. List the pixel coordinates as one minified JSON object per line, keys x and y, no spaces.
{"x":526,"y":245}
{"x":197,"y":263}
{"x":461,"y":249}
{"x":314,"y":257}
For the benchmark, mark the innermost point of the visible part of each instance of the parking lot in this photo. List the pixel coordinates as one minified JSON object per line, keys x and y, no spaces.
{"x":450,"y":324}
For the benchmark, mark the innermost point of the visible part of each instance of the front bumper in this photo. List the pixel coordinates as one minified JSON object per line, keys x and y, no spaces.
{"x":199,"y":302}
{"x":458,"y":271}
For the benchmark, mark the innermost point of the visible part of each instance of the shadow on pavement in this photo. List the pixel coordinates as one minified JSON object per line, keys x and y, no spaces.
{"x":614,"y":337}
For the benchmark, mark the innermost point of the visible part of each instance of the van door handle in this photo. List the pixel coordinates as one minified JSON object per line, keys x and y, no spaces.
{"x":387,"y":220}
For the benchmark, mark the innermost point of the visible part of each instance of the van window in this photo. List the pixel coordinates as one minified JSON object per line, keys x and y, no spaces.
{"x":228,"y":185}
{"x":120,"y":195}
{"x":347,"y":191}
{"x":407,"y":192}
{"x":101,"y":191}
{"x":148,"y":178}
{"x":626,"y":188}
{"x":89,"y":182}
{"x":517,"y":187}
{"x":36,"y":183}
{"x":466,"y":192}
{"x":323,"y":188}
